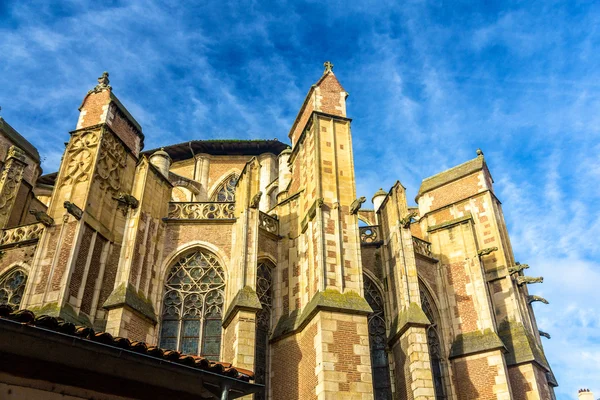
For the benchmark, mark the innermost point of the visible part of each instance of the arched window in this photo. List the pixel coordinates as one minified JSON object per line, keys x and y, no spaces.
{"x":226,"y":191}
{"x":12,"y":287}
{"x":433,"y":343}
{"x":264,"y":290}
{"x":193,"y":305}
{"x":380,"y":366}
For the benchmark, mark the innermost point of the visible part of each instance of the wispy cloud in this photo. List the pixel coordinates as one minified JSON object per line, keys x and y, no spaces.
{"x":429,"y":84}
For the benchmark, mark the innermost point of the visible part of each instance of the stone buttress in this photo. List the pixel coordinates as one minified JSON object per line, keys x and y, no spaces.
{"x":320,"y":344}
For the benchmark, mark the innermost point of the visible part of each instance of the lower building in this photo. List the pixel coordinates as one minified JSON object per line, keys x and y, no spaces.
{"x":256,"y":256}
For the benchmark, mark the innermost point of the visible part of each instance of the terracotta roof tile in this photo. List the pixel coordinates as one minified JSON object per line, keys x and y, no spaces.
{"x":27,"y":317}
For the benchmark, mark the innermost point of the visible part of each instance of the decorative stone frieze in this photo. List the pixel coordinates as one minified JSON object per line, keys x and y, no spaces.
{"x":369,"y":234}
{"x":422,"y":247}
{"x":20,"y":234}
{"x":268,"y":223}
{"x":198,"y":211}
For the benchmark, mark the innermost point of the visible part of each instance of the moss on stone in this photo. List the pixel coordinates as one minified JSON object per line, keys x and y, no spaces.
{"x":66,"y":313}
{"x":476,"y":342}
{"x":408,"y":317}
{"x":521,"y":345}
{"x":450,"y":223}
{"x":245,"y":299}
{"x":126,"y":295}
{"x":327,"y":300}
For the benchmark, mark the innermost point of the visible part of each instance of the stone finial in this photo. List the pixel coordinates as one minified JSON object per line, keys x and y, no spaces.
{"x":328,"y":67}
{"x":103,"y":83}
{"x":479,"y":152}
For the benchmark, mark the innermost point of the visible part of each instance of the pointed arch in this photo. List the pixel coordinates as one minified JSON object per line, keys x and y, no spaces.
{"x":12,"y":286}
{"x":380,"y":366}
{"x":225,"y":190}
{"x":264,"y":291}
{"x":192,"y":304}
{"x":434,"y":344}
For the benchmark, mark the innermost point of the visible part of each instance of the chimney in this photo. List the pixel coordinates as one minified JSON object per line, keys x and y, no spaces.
{"x":585,"y":394}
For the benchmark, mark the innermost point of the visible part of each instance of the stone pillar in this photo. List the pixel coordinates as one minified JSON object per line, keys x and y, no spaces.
{"x":285,"y":172}
{"x":10,"y":182}
{"x":268,"y":172}
{"x":202,"y":174}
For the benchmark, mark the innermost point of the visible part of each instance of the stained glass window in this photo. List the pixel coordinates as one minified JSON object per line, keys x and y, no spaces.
{"x":12,"y":287}
{"x":264,"y":290}
{"x":226,"y":191}
{"x":433,"y":343}
{"x":380,"y":366}
{"x":193,"y":305}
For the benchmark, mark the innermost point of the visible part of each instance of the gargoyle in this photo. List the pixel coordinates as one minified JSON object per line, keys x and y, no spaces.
{"x":532,"y":298}
{"x":518,"y":267}
{"x":255,"y":200}
{"x":73,"y":209}
{"x":544,"y":334}
{"x":127,"y":200}
{"x":522,"y":280}
{"x":356,"y":204}
{"x":486,"y":251}
{"x":42,"y":217}
{"x":405,"y":222}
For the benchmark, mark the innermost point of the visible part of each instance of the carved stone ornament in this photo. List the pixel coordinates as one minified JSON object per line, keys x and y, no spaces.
{"x":78,"y":157}
{"x":522,"y":280}
{"x":21,"y":234}
{"x":42,"y":217}
{"x":198,"y":211}
{"x":126,"y":201}
{"x":103,"y":84}
{"x":405,"y":222}
{"x":16,"y":152}
{"x":544,"y":334}
{"x":485,"y":252}
{"x":518,"y":267}
{"x":112,"y":160}
{"x":10,"y":181}
{"x":356,"y":204}
{"x":328,"y":67}
{"x":532,"y":298}
{"x":255,"y":200}
{"x":73,"y":209}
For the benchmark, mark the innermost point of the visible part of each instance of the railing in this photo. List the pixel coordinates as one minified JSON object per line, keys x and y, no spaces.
{"x":21,"y":234}
{"x":268,"y":223}
{"x":205,"y":210}
{"x":422,"y":247}
{"x":369,"y":234}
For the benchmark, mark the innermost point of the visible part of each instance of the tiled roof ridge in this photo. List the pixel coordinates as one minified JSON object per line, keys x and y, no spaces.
{"x":27,"y":317}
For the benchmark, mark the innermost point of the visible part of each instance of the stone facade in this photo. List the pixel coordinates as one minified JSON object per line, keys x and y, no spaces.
{"x":251,"y":252}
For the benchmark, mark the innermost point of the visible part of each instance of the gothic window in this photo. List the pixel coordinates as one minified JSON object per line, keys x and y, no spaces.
{"x":433,"y":342}
{"x":264,"y":290}
{"x":226,"y":191}
{"x":193,"y":305}
{"x":12,"y":287}
{"x":380,"y":366}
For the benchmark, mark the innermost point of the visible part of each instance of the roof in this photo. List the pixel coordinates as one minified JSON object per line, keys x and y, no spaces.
{"x":220,"y":147}
{"x":451,"y":174}
{"x":58,"y":326}
{"x":47,"y":179}
{"x":19,"y":140}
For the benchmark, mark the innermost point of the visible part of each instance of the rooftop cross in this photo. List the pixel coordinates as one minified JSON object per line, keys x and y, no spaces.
{"x":328,"y":67}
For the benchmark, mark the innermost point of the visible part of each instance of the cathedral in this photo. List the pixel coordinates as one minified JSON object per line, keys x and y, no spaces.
{"x":249,"y":268}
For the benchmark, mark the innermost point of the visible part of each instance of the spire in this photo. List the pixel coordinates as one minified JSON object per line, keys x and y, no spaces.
{"x":103,"y":83}
{"x":328,"y":67}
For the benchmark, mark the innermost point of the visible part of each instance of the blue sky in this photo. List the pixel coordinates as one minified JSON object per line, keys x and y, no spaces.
{"x":429,"y":83}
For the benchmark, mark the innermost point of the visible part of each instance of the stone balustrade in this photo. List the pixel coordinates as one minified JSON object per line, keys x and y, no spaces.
{"x":21,"y":234}
{"x":268,"y":223}
{"x":201,"y":210}
{"x":422,"y":247}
